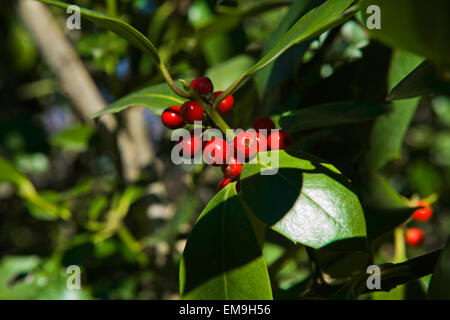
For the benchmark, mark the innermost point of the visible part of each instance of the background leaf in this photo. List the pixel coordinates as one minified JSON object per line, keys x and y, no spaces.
{"x":389,"y":129}
{"x":75,"y":138}
{"x":233,"y":68}
{"x":421,"y":81}
{"x":330,"y":115}
{"x":440,"y":281}
{"x":420,"y":27}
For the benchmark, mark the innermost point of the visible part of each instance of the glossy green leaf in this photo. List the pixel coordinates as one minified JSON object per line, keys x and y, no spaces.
{"x":440,"y":281}
{"x":75,"y":138}
{"x":389,"y":129}
{"x":117,"y":26}
{"x":331,"y":115}
{"x":421,"y":27}
{"x":156,"y":97}
{"x":306,"y":200}
{"x":421,"y":81}
{"x":222,"y":259}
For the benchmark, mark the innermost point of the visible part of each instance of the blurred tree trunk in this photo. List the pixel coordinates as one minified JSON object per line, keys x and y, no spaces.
{"x":131,"y":142}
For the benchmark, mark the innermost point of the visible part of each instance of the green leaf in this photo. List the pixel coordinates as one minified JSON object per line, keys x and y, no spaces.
{"x":117,"y":26}
{"x":222,"y":259}
{"x":382,"y":221}
{"x":156,"y":97}
{"x":230,"y":18}
{"x":342,"y":259}
{"x":264,"y":78}
{"x":314,"y":23}
{"x":384,"y":209}
{"x":389,"y":129}
{"x":9,"y":173}
{"x":75,"y":138}
{"x":440,"y":281}
{"x":421,"y":81}
{"x":232,"y":68}
{"x":417,"y":26}
{"x":331,"y":115}
{"x":308,"y":201}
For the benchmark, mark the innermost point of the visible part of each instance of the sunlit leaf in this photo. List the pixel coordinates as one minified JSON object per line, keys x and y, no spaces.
{"x":308,"y":201}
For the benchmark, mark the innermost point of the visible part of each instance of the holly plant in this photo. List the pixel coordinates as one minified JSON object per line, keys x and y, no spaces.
{"x":304,"y":137}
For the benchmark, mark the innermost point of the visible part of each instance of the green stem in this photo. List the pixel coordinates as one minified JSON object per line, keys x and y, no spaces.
{"x":212,"y":112}
{"x":111,"y":8}
{"x":172,"y":83}
{"x":231,"y":89}
{"x":399,"y":242}
{"x":218,"y":120}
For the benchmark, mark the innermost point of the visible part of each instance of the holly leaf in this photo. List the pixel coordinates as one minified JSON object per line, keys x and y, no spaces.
{"x":305,"y":199}
{"x":420,"y":27}
{"x":222,"y":259}
{"x":157,"y":98}
{"x":389,"y":129}
{"x":440,"y":281}
{"x":423,"y":80}
{"x":331,"y":114}
{"x":312,"y":24}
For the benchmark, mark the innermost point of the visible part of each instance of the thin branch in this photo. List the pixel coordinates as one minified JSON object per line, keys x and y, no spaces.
{"x":393,"y":275}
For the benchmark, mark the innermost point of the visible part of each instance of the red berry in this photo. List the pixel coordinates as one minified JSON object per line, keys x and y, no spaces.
{"x":217,"y":152}
{"x":279,"y":140}
{"x":223,"y":183}
{"x":190,"y":146}
{"x":263,"y":123}
{"x":202,"y":86}
{"x":226,"y":104}
{"x":414,"y":237}
{"x":248,"y":143}
{"x":232,"y":169}
{"x":423,"y":214}
{"x":171,"y":118}
{"x":192,"y":111}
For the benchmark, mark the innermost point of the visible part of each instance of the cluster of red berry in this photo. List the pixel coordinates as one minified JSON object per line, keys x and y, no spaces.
{"x":176,"y":117}
{"x":217,"y":151}
{"x":415,"y":236}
